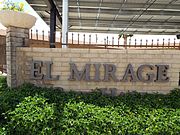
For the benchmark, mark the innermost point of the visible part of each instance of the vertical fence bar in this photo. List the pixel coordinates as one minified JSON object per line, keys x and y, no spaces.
{"x":146,"y":43}
{"x":78,"y":38}
{"x":84,"y":39}
{"x":31,"y":33}
{"x":112,"y":41}
{"x":152,"y":43}
{"x":168,"y":42}
{"x":118,"y":41}
{"x":67,"y":38}
{"x":61,"y":37}
{"x":90,"y":39}
{"x":107,"y":40}
{"x":36,"y":34}
{"x":163,"y":42}
{"x":96,"y":39}
{"x":140,"y":43}
{"x":72,"y":37}
{"x":43,"y":35}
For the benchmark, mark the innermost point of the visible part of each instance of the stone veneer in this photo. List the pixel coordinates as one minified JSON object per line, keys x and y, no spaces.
{"x":121,"y":58}
{"x":15,"y":37}
{"x":2,"y":51}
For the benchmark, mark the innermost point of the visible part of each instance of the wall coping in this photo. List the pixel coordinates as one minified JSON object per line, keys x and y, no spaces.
{"x":75,"y":50}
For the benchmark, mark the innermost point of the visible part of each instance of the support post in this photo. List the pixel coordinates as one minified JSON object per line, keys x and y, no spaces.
{"x":65,"y":24}
{"x":52,"y":27}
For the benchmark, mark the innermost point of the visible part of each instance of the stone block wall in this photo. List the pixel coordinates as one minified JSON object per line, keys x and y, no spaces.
{"x":42,"y":44}
{"x":2,"y":52}
{"x":62,"y":58}
{"x":15,"y":37}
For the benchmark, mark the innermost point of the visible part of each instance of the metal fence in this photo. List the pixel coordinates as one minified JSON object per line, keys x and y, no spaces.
{"x":109,"y":42}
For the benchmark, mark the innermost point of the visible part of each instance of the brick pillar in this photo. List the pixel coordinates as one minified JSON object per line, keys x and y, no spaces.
{"x":15,"y":37}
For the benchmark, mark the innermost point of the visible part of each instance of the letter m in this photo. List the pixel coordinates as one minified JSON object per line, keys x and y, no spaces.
{"x":75,"y":74}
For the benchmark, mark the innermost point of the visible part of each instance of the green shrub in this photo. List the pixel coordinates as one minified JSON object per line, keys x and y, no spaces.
{"x":89,"y":119}
{"x":72,"y":113}
{"x":3,"y":84}
{"x":32,"y":116}
{"x":82,"y":118}
{"x":2,"y":131}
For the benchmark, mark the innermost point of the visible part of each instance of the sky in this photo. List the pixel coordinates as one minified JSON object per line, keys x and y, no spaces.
{"x":41,"y":25}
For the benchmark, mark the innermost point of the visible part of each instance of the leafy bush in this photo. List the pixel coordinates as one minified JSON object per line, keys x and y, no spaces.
{"x":88,"y":119}
{"x":3,"y":82}
{"x":2,"y":131}
{"x":32,"y":116}
{"x":88,"y":113}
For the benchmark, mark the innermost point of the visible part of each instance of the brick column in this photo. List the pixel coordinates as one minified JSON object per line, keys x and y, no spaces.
{"x":15,"y":37}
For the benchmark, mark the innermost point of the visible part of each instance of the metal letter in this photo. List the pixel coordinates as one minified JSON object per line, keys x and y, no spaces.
{"x":162,"y":73}
{"x":109,"y":70}
{"x":36,"y":70}
{"x":97,"y":72}
{"x":150,"y":76}
{"x":48,"y":75}
{"x":129,"y":73}
{"x":79,"y":75}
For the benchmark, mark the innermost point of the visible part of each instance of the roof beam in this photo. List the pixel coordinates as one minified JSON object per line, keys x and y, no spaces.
{"x":135,"y":26}
{"x":104,"y":21}
{"x":38,"y":2}
{"x":50,"y":3}
{"x":41,"y":8}
{"x":127,"y":12}
{"x":131,"y":5}
{"x":134,"y":6}
{"x":127,"y":32}
{"x":107,"y":5}
{"x":112,"y":11}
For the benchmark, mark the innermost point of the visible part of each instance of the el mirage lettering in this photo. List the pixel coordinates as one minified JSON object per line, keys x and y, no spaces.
{"x":145,"y":73}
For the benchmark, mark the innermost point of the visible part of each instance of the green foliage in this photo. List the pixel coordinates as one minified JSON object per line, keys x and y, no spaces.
{"x":15,"y":6}
{"x":3,"y":82}
{"x":68,"y":113}
{"x":2,"y":131}
{"x":32,"y":116}
{"x":88,"y":119}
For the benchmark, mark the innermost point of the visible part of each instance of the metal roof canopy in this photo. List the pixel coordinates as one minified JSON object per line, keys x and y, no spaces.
{"x":117,"y":16}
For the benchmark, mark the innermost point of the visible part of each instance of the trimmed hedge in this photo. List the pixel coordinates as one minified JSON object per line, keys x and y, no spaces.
{"x":32,"y":110}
